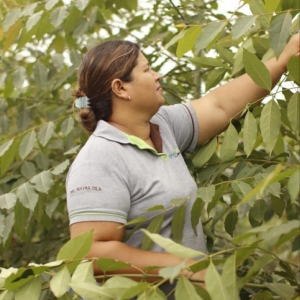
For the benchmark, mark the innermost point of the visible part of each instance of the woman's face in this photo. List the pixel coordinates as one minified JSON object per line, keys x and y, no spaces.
{"x":145,"y":90}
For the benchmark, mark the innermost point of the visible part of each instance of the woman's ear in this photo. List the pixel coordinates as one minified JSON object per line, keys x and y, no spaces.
{"x":119,"y":89}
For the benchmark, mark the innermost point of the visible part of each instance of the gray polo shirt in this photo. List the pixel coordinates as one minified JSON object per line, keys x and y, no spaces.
{"x":117,"y":177}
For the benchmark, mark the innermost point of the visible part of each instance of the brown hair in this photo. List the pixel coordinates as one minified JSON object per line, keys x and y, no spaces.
{"x":99,"y":67}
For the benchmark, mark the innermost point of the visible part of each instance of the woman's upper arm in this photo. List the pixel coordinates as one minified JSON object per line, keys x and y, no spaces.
{"x":103,"y":231}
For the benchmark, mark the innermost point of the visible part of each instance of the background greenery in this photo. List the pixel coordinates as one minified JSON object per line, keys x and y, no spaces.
{"x":248,"y":196}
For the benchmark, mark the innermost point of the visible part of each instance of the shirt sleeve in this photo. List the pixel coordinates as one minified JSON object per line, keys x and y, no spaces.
{"x":182,"y":120}
{"x":97,"y":192}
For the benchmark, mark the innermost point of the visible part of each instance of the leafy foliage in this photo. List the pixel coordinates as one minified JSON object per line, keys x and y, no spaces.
{"x":248,"y":196}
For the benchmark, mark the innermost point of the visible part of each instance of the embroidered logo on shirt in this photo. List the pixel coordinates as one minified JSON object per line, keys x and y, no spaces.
{"x":86,"y":188}
{"x":174,"y":154}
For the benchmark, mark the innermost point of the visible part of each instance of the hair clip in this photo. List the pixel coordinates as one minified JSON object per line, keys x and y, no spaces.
{"x":82,"y":102}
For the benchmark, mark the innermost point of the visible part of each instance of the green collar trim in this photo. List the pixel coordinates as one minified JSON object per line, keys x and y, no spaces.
{"x":134,"y":140}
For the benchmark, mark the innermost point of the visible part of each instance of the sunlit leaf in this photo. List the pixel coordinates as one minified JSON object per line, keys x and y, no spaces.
{"x":42,"y":181}
{"x":61,"y":167}
{"x":33,"y":20}
{"x":10,"y":36}
{"x":154,"y":227}
{"x":186,"y":290}
{"x":229,"y":277}
{"x":27,"y":195}
{"x":19,"y":77}
{"x":187,"y":42}
{"x":171,"y":272}
{"x":209,"y":33}
{"x":281,"y":289}
{"x":76,"y":248}
{"x":270,"y":121}
{"x":206,"y":193}
{"x":241,"y":26}
{"x":280,"y":31}
{"x":293,"y":112}
{"x":88,"y":290}
{"x":249,"y":133}
{"x":257,"y":70}
{"x":27,"y":144}
{"x":231,"y":221}
{"x":50,"y":4}
{"x":117,"y":285}
{"x":30,"y":290}
{"x":45,"y":133}
{"x":58,"y":16}
{"x":271,"y":5}
{"x":257,"y":8}
{"x":67,"y":125}
{"x":84,"y":273}
{"x":293,"y":185}
{"x":29,"y":9}
{"x":11,"y":17}
{"x":229,"y":144}
{"x":59,"y":284}
{"x":215,"y":284}
{"x":8,"y":200}
{"x":172,"y":247}
{"x":175,"y":39}
{"x":5,"y":146}
{"x":81,"y":4}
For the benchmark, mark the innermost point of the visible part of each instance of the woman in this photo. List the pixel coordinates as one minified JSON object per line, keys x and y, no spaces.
{"x":132,"y":160}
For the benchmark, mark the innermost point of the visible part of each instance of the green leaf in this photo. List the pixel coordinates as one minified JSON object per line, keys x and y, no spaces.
{"x":249,"y":133}
{"x":133,"y":291}
{"x":241,"y":188}
{"x":19,"y":76}
{"x":229,"y":144}
{"x":7,"y":295}
{"x":214,"y":77}
{"x":8,"y":200}
{"x":59,"y":284}
{"x":77,"y":248}
{"x":281,"y":289}
{"x":293,"y":67}
{"x":172,"y":247}
{"x":11,"y":17}
{"x":4,"y":147}
{"x":177,"y":225}
{"x":179,"y":201}
{"x":29,"y":9}
{"x":89,"y":290}
{"x":271,"y":5}
{"x":205,"y":153}
{"x":33,"y":20}
{"x":30,"y":290}
{"x":293,"y":112}
{"x":67,"y":125}
{"x":206,"y":193}
{"x":270,"y":121}
{"x":58,"y":16}
{"x":196,"y":213}
{"x":45,"y":133}
{"x":40,"y":73}
{"x":43,"y":181}
{"x":27,"y":144}
{"x":280,"y":31}
{"x":28,"y":196}
{"x":187,"y":42}
{"x":229,"y":277}
{"x":81,"y":4}
{"x":231,"y":221}
{"x":84,"y":273}
{"x":209,"y":34}
{"x":171,"y":272}
{"x":278,"y":205}
{"x":108,"y":264}
{"x":61,"y":167}
{"x":293,"y":185}
{"x":258,"y":211}
{"x":117,"y":286}
{"x":257,"y":70}
{"x":215,"y":284}
{"x":258,"y":9}
{"x":175,"y":39}
{"x":185,"y":290}
{"x":258,"y":265}
{"x":241,"y":26}
{"x":153,"y":227}
{"x":207,"y":62}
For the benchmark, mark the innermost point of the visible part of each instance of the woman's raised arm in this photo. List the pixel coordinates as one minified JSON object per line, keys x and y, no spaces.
{"x":215,"y":110}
